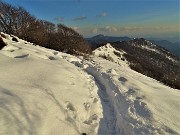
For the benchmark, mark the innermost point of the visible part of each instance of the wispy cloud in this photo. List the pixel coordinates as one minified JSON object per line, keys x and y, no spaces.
{"x":108,"y":29}
{"x":132,"y":28}
{"x":111,"y":29}
{"x":103,"y":14}
{"x":59,"y":19}
{"x":80,"y":18}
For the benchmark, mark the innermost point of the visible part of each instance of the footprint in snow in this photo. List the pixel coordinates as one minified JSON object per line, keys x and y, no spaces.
{"x":72,"y":83}
{"x":92,"y":118}
{"x":51,"y":58}
{"x":22,"y":56}
{"x":69,"y":106}
{"x":142,"y":109}
{"x":123,"y":80}
{"x":131,"y":92}
{"x":55,"y":53}
{"x":11,"y":50}
{"x":112,"y":72}
{"x":87,"y":106}
{"x":95,"y":100}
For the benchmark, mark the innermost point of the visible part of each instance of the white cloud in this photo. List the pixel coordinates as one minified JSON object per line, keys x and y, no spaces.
{"x":109,"y":29}
{"x":103,"y":14}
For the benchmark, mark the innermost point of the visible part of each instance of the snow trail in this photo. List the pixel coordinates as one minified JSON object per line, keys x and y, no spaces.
{"x":118,"y":112}
{"x":110,"y":96}
{"x":112,"y":122}
{"x":71,"y":95}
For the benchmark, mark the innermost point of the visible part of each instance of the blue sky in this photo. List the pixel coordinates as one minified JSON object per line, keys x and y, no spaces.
{"x":133,"y":18}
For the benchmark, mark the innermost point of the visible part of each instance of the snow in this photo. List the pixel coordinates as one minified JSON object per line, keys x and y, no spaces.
{"x":150,"y":49}
{"x":109,"y":52}
{"x":46,"y":92}
{"x":43,"y":96}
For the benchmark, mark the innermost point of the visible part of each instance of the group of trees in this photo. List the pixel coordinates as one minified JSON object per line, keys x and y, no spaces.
{"x":17,"y":21}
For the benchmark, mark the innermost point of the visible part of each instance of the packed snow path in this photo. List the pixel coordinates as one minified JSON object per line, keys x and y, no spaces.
{"x":124,"y":109}
{"x":108,"y":123}
{"x":46,"y":92}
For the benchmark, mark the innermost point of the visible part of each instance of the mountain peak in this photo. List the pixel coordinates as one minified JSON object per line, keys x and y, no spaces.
{"x":99,"y":36}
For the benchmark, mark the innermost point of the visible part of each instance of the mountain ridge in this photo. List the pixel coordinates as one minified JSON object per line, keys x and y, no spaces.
{"x":95,"y":41}
{"x":149,"y":59}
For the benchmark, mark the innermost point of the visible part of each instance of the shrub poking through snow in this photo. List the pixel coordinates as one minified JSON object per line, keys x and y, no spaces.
{"x":117,"y":54}
{"x":108,"y":57}
{"x":2,"y":44}
{"x":14,"y":39}
{"x":3,"y":36}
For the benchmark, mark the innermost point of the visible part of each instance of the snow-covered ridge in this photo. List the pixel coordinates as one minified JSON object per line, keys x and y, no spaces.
{"x":110,"y":53}
{"x":149,"y":46}
{"x":46,"y":92}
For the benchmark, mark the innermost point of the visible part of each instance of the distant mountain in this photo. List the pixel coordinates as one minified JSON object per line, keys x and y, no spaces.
{"x":109,"y":38}
{"x":101,"y":39}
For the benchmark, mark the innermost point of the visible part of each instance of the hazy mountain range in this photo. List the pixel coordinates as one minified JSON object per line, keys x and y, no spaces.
{"x":100,"y":39}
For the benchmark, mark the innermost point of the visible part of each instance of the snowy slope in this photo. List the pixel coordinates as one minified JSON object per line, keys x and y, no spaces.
{"x":145,"y":106}
{"x":45,"y":92}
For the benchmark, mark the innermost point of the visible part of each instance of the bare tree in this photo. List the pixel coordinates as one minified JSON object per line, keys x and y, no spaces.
{"x":24,"y":23}
{"x":19,"y":22}
{"x":15,"y":20}
{"x":71,"y":40}
{"x":7,"y":18}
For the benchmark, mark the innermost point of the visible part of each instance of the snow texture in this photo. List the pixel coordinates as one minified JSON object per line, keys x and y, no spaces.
{"x":46,"y":92}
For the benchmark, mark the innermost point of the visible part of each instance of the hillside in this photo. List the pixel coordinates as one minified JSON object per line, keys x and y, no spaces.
{"x":151,"y":60}
{"x":172,"y":47}
{"x":98,"y":40}
{"x":47,"y":92}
